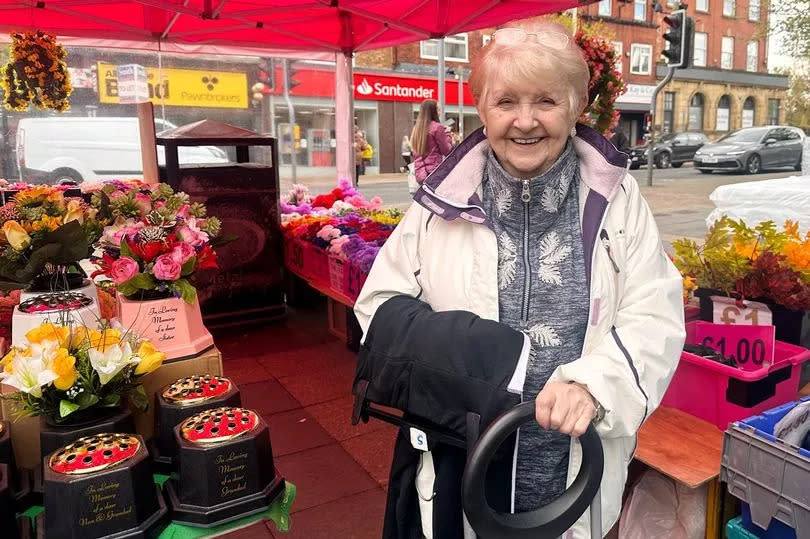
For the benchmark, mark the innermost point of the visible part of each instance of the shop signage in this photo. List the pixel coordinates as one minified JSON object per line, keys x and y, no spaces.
{"x":394,"y":88}
{"x":132,"y":84}
{"x":637,"y":93}
{"x":179,"y":87}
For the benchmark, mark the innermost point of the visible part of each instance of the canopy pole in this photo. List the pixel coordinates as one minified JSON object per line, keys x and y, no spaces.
{"x":344,"y":117}
{"x":441,"y":79}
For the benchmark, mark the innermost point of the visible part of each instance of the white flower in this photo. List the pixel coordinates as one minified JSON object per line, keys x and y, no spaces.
{"x":29,"y":375}
{"x":110,"y":362}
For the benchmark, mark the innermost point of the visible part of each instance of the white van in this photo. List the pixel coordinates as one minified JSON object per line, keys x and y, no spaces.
{"x":89,"y":149}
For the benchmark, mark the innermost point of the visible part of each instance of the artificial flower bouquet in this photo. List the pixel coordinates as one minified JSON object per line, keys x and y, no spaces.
{"x":763,"y":262}
{"x":43,"y":234}
{"x":75,"y":369}
{"x":36,"y":74}
{"x":156,"y":243}
{"x":300,"y":202}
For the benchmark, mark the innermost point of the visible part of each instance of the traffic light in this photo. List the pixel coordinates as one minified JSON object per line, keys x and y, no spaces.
{"x":267,"y":73}
{"x":289,"y":72}
{"x":679,"y":39}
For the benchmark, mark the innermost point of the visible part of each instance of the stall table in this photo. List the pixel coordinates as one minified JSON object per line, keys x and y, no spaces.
{"x":688,"y":450}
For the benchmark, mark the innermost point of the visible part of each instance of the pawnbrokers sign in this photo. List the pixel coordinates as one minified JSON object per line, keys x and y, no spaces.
{"x":181,"y":87}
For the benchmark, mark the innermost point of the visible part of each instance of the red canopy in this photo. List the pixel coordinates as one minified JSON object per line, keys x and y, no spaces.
{"x":315,"y":25}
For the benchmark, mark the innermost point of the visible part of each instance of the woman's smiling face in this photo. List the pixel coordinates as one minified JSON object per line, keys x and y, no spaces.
{"x":527,"y":124}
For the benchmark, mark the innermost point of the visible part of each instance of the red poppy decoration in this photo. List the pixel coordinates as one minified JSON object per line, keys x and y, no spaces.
{"x":94,"y":453}
{"x":219,"y":425}
{"x":196,"y":389}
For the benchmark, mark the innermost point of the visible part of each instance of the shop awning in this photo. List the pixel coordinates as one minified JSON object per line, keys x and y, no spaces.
{"x":315,"y":25}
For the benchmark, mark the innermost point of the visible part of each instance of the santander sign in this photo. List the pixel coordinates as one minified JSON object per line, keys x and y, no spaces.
{"x":383,"y":88}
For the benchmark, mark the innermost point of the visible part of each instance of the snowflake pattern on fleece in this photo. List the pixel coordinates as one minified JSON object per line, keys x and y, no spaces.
{"x":552,"y":271}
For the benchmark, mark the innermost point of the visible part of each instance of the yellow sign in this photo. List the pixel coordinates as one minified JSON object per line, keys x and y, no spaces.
{"x":181,"y":87}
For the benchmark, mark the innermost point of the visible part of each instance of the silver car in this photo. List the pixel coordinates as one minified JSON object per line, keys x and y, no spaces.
{"x":753,"y":150}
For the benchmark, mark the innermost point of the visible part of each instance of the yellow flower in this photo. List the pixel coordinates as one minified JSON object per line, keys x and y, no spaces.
{"x":80,"y":337}
{"x":49,"y":332}
{"x":16,"y":235}
{"x":6,"y":362}
{"x":151,"y":358}
{"x":46,"y":222}
{"x":102,"y":340}
{"x":33,"y":196}
{"x":74,"y":212}
{"x":64,"y":365}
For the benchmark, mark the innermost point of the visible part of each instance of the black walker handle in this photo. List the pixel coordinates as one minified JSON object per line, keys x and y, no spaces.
{"x":549,"y":521}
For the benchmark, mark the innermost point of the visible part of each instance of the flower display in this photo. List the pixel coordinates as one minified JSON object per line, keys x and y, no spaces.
{"x":606,"y":84}
{"x":62,"y":370}
{"x":156,"y":241}
{"x":343,"y":198}
{"x":42,"y":233}
{"x":37,"y":73}
{"x":750,"y":263}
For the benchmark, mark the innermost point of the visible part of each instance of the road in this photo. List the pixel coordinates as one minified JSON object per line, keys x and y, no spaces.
{"x":679,"y":198}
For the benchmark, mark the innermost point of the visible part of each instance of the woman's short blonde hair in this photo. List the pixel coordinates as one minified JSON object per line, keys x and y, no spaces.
{"x":531,"y":60}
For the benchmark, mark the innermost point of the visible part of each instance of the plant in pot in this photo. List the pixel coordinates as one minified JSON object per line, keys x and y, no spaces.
{"x":76,"y":379}
{"x":44,"y":236}
{"x":151,"y":252}
{"x":764,"y":263}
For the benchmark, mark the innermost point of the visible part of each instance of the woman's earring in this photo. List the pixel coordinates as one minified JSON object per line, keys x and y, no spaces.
{"x":574,"y":131}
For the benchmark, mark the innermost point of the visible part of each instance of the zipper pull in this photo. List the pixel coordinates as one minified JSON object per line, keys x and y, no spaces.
{"x":526,"y":195}
{"x":606,"y":242}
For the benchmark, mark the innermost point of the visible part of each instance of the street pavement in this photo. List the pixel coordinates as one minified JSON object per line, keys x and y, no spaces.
{"x":679,"y":198}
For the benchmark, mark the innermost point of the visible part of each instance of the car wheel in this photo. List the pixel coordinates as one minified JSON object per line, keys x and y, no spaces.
{"x":754,"y":165}
{"x":66,"y":175}
{"x":663,"y":160}
{"x":677,"y":165}
{"x":705,"y":170}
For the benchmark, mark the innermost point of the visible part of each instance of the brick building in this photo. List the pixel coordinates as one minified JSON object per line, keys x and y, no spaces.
{"x":727,"y":88}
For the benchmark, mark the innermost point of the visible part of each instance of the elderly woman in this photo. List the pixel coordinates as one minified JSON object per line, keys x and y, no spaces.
{"x":535,"y":223}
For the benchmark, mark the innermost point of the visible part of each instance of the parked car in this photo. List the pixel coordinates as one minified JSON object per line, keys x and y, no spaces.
{"x":753,"y":149}
{"x":673,"y":149}
{"x":78,"y":149}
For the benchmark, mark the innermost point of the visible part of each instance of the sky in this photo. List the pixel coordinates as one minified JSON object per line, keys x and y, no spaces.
{"x":776,"y":58}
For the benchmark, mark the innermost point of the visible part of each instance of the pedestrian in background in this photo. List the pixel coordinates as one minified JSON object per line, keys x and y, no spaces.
{"x":430,"y":140}
{"x":359,"y":147}
{"x":621,"y":141}
{"x":405,"y":150}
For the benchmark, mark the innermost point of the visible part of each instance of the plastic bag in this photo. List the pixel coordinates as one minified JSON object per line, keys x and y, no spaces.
{"x":413,"y":185}
{"x":662,"y":508}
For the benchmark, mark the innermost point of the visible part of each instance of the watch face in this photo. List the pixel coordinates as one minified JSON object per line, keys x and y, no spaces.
{"x":219,"y":425}
{"x":94,"y":453}
{"x":195,"y":389}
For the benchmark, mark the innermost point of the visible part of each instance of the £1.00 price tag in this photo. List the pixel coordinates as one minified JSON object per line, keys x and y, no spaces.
{"x":725,"y":310}
{"x":752,"y":347}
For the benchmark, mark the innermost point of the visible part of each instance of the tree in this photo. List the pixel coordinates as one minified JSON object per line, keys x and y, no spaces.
{"x":790,"y":23}
{"x":797,"y":106}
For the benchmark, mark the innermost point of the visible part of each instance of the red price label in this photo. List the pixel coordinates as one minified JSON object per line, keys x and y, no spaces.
{"x":751,"y":347}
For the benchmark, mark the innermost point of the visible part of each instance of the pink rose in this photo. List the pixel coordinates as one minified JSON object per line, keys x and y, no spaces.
{"x":182,"y":252}
{"x":123,"y":269}
{"x":166,"y":268}
{"x":144,"y":202}
{"x":192,"y":235}
{"x":184,"y":211}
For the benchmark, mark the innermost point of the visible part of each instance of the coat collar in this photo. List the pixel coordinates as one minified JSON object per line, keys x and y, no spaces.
{"x":453,"y":189}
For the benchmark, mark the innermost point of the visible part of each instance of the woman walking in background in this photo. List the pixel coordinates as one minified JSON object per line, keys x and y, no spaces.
{"x":430,"y":141}
{"x":405,"y":150}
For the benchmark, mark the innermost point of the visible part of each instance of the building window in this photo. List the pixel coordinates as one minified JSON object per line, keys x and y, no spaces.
{"x":640,"y":12}
{"x":729,"y":7}
{"x":604,"y":8}
{"x":618,"y":46}
{"x":702,"y":5}
{"x":752,"y":56}
{"x":699,"y":56}
{"x":723,"y":113}
{"x":669,"y":111}
{"x":727,"y":57}
{"x":455,"y":48}
{"x":695,"y":122}
{"x":753,"y":10}
{"x":773,"y":111}
{"x":749,"y":108}
{"x":640,"y":56}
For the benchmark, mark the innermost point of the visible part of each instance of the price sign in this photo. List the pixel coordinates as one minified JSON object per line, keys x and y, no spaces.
{"x":752,"y":347}
{"x":749,"y":313}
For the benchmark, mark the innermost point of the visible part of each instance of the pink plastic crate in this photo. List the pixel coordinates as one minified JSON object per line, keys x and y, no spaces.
{"x":721,"y":394}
